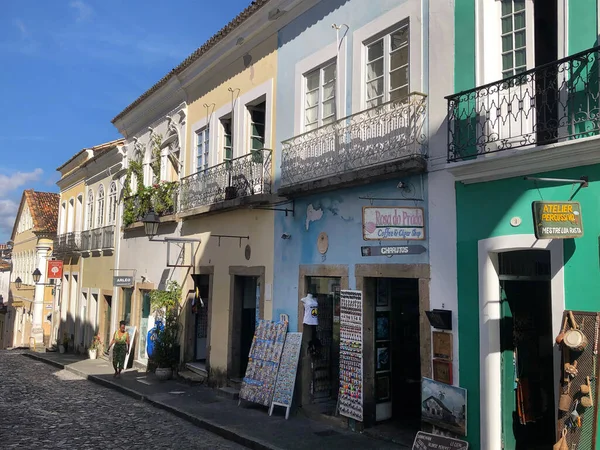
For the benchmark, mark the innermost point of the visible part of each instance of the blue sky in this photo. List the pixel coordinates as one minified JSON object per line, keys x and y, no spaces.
{"x":69,"y":66}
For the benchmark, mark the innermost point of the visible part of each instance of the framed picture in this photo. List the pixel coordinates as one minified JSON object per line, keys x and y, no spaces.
{"x":383,"y":292}
{"x":442,"y":345}
{"x":383,"y":357}
{"x":382,"y":326}
{"x":442,"y":371}
{"x":382,"y":387}
{"x":444,"y":406}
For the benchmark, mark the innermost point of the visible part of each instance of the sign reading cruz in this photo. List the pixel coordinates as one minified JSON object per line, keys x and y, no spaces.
{"x":557,"y":220}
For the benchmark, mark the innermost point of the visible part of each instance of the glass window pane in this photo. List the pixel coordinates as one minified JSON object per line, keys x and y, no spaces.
{"x":312,"y":80}
{"x":519,"y":5}
{"x":375,"y":102}
{"x":329,"y":73}
{"x":399,"y":58}
{"x":519,"y":39}
{"x":520,"y":58}
{"x":506,"y":25}
{"x":506,"y":7}
{"x":328,"y":120}
{"x":329,"y":108}
{"x":507,"y":61}
{"x":519,"y":20}
{"x":312,"y":98}
{"x":520,"y":70}
{"x":328,"y":91}
{"x":311,"y":115}
{"x":375,"y":50}
{"x":507,"y":43}
{"x":375,"y":69}
{"x":310,"y":126}
{"x":258,"y":116}
{"x":258,"y":129}
{"x":374,"y":88}
{"x":399,"y":93}
{"x":206,"y":135}
{"x":257,"y":143}
{"x":399,"y":78}
{"x":399,"y":38}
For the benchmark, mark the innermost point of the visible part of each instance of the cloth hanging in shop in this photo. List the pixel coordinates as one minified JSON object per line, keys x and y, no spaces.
{"x":311,"y":310}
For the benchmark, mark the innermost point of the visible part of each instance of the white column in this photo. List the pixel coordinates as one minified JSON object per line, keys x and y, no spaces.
{"x":37,"y":331}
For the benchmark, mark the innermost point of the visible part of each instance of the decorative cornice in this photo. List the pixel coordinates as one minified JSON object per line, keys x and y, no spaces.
{"x":524,"y":161}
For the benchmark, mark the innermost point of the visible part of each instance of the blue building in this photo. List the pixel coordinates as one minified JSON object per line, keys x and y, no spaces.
{"x":354,"y":150}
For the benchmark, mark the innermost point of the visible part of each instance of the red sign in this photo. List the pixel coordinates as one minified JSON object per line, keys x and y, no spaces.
{"x":55,"y":269}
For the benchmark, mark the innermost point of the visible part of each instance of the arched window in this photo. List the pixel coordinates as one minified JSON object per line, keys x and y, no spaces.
{"x":100,"y":210}
{"x":112,"y":203}
{"x":90,"y":210}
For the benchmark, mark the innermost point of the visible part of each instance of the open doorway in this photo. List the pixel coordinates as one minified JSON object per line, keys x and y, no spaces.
{"x":106,"y":312}
{"x":201,"y":318}
{"x":246,"y":298}
{"x":397,"y":357}
{"x":528,"y":420}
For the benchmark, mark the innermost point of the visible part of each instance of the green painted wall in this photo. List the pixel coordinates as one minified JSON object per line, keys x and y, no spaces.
{"x":583,"y":25}
{"x":464,"y":45}
{"x":484,"y":210}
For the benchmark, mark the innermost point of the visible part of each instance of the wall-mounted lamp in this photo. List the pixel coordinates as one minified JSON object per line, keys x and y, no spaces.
{"x":36,"y":275}
{"x":18,"y":282}
{"x":151,"y":222}
{"x":286,"y":236}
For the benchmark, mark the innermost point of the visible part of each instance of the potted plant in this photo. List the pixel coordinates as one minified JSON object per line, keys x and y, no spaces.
{"x":62,"y":348}
{"x":166,"y":306}
{"x":95,"y":346}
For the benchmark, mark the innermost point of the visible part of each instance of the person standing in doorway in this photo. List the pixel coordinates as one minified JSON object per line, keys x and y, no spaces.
{"x":121,"y":342}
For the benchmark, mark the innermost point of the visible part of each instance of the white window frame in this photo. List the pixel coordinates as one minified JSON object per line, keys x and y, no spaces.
{"x":100,"y":206}
{"x":90,"y":210}
{"x":206,"y":143}
{"x":112,"y":203}
{"x":320,"y":99}
{"x":410,"y":11}
{"x":312,"y":62}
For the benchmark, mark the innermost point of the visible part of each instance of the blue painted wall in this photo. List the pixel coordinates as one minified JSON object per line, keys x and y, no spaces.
{"x":339,"y":214}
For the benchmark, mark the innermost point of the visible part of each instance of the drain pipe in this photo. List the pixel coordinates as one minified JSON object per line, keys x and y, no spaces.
{"x":338,"y":44}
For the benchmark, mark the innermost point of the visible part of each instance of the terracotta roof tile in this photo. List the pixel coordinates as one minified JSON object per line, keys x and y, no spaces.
{"x":220,"y":35}
{"x":44,"y":210}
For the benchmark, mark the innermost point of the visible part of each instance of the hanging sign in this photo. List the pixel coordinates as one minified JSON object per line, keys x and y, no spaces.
{"x":393,"y":224}
{"x":557,"y":220}
{"x":123,"y":281}
{"x":55,"y":269}
{"x":426,"y":441}
{"x":350,"y":398}
{"x":286,"y":376}
{"x":392,"y":250}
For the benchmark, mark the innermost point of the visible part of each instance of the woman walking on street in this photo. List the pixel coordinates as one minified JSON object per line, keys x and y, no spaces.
{"x":121,"y":349}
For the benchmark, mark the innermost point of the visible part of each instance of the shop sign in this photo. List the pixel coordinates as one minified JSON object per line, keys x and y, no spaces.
{"x":392,"y":250}
{"x":557,"y":220}
{"x":393,"y":223}
{"x":55,"y":269}
{"x":426,"y":441}
{"x":123,"y":281}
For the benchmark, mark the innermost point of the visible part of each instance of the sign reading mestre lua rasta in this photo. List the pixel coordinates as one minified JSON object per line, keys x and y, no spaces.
{"x":557,"y":220}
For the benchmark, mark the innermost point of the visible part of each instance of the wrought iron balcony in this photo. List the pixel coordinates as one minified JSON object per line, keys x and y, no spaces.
{"x":98,"y":239}
{"x":162,"y":198}
{"x":390,"y":132}
{"x":241,"y":177}
{"x":551,"y":103}
{"x":67,"y":243}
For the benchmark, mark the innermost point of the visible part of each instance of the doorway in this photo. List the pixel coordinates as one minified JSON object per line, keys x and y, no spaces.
{"x":107,"y":309}
{"x":246,"y":298}
{"x":527,"y":345}
{"x":201,"y":317}
{"x":146,"y":323}
{"x":397,"y":354}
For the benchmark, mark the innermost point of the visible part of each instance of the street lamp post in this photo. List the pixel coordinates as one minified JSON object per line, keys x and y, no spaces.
{"x":18,"y":282}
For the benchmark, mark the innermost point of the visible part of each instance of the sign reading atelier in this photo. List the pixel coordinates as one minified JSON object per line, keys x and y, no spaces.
{"x":393,"y":224}
{"x":426,"y":441}
{"x":123,"y":281}
{"x":557,"y":220}
{"x":350,"y":397}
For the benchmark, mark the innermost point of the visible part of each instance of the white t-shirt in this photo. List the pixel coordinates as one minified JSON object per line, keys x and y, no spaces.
{"x":311,"y":310}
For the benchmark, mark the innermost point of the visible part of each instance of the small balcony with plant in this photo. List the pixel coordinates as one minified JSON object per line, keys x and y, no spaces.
{"x":377,"y":142}
{"x":554,"y":103}
{"x":234,"y":182}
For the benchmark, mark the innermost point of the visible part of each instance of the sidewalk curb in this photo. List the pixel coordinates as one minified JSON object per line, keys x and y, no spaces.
{"x":222,"y":431}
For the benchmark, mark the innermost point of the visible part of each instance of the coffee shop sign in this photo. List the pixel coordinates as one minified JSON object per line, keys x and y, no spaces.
{"x":393,"y":224}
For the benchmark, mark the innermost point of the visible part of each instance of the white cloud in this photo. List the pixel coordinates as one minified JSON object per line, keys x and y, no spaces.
{"x":8,"y":212}
{"x":18,"y":179}
{"x":9,"y":207}
{"x":84,"y":11}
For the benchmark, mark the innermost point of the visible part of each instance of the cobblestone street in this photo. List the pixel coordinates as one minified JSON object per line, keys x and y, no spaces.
{"x":44,"y":408}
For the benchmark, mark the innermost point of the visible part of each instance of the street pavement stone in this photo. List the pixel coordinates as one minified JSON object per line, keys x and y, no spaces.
{"x":42,"y":407}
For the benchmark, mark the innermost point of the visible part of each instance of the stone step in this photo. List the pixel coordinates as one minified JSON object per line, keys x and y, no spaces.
{"x":235,"y":383}
{"x":197,"y":368}
{"x":192,"y":377}
{"x":228,"y":392}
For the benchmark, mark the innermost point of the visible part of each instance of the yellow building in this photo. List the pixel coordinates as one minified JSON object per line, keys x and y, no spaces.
{"x":30,"y":302}
{"x":209,"y":126}
{"x":86,"y":242}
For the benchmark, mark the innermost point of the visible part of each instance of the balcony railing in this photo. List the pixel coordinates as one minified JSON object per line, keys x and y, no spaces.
{"x":98,"y":239}
{"x":67,"y":243}
{"x":389,"y":132}
{"x":551,"y":103}
{"x":241,"y":177}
